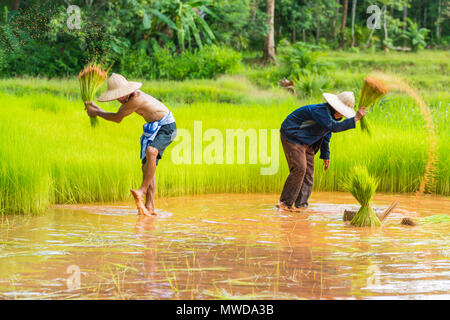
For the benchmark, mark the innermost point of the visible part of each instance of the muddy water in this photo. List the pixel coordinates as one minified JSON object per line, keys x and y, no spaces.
{"x":225,"y":246}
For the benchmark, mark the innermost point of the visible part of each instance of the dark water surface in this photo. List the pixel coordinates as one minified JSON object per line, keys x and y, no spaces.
{"x":225,"y":246}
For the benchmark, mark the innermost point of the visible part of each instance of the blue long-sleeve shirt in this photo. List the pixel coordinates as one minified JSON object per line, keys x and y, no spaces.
{"x":313,"y":125}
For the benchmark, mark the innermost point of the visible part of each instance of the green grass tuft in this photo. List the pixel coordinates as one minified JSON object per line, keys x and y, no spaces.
{"x":363,"y":186}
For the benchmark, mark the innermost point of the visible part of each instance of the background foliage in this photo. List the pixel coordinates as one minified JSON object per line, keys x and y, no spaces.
{"x":159,"y":38}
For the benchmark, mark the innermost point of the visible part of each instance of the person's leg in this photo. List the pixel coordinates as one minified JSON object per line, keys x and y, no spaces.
{"x":296,"y":158}
{"x":150,"y":200}
{"x":148,"y":169}
{"x":306,"y":189}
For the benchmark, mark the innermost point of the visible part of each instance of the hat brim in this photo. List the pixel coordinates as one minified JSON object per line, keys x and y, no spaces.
{"x":115,"y":94}
{"x":339,"y":106}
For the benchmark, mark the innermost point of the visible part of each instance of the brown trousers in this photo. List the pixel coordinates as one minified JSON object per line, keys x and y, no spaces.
{"x":299,"y":183}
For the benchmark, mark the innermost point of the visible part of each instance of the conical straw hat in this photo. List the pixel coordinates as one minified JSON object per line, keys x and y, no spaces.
{"x":344,"y":103}
{"x":118,"y":87}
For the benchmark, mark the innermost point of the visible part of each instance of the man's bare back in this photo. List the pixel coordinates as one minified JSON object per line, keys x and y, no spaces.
{"x":143,"y":104}
{"x":148,"y":107}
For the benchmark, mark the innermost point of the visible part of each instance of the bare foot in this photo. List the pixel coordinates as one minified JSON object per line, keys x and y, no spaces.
{"x":282,"y":207}
{"x":139,"y":200}
{"x":151,"y":211}
{"x":298,"y":209}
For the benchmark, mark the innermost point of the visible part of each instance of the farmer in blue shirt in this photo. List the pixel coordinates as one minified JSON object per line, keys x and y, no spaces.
{"x":306,"y":131}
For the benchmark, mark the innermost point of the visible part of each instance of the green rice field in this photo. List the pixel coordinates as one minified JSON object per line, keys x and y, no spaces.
{"x":51,"y":155}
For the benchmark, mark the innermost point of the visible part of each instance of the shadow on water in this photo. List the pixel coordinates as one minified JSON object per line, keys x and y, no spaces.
{"x":225,"y":247}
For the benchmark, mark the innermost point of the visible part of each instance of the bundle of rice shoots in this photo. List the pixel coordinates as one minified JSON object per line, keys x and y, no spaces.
{"x":363,"y":186}
{"x":372,"y":91}
{"x":437,"y":218}
{"x":91,"y":78}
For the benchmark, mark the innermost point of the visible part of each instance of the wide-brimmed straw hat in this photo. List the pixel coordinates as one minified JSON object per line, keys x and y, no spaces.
{"x":344,"y":103}
{"x":118,"y":87}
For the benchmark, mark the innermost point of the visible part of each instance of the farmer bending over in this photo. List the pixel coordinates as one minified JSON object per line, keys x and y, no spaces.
{"x":303,"y":133}
{"x":159,"y":131}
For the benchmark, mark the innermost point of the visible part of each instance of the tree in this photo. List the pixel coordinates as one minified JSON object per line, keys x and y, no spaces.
{"x":16,"y":5}
{"x":344,"y":21}
{"x":415,"y":36}
{"x":336,"y":15}
{"x":269,"y":43}
{"x":186,"y":18}
{"x":438,"y":21}
{"x":405,"y":16}
{"x":354,"y":2}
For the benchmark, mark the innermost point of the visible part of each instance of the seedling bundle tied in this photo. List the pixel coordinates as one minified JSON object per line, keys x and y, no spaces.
{"x":363,"y":186}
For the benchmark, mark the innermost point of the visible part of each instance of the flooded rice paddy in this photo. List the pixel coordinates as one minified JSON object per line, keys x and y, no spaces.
{"x":225,"y":247}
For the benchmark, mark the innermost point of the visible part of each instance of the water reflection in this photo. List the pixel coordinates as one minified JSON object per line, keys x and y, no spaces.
{"x":225,"y":246}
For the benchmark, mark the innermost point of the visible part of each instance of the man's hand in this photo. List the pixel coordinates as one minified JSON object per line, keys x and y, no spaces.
{"x":91,"y":108}
{"x":360,"y":113}
{"x":326,"y":164}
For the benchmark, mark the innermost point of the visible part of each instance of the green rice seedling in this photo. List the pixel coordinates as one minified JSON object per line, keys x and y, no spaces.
{"x":363,"y":186}
{"x":91,"y":78}
{"x":437,"y":218}
{"x":372,"y":90}
{"x":48,"y":156}
{"x":434,"y":219}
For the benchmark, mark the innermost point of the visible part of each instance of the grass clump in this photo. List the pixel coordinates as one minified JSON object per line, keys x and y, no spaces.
{"x":437,"y":218}
{"x":363,"y":186}
{"x":91,"y":78}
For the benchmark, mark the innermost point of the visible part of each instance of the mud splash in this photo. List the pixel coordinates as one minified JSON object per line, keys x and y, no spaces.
{"x":225,"y":246}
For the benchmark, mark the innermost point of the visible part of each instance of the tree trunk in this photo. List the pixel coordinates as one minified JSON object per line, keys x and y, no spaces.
{"x":438,"y":30}
{"x":370,"y":38}
{"x":317,"y":33}
{"x":405,"y":16}
{"x":419,"y":17}
{"x":335,"y":20}
{"x":269,"y":43}
{"x":425,"y":12}
{"x":304,"y":35}
{"x":344,"y":21}
{"x":294,"y":36}
{"x":386,"y":36}
{"x":353,"y":21}
{"x":16,"y":5}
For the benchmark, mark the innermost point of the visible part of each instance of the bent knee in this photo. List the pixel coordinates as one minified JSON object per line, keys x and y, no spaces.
{"x":152,"y":152}
{"x":298,"y":170}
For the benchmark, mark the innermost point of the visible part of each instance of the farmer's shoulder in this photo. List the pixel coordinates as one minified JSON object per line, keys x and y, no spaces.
{"x":147,"y":101}
{"x":138,"y":98}
{"x":320,"y":107}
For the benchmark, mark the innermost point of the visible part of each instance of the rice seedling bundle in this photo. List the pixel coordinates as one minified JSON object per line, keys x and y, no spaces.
{"x":372,"y":91}
{"x":363,"y":186}
{"x":437,"y":218}
{"x":434,"y":219}
{"x":90,"y":79}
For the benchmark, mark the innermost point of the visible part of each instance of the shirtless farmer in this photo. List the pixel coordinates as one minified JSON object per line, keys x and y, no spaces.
{"x":159,"y":131}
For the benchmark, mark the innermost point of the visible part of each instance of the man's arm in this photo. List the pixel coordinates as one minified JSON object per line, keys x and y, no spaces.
{"x":322,"y":116}
{"x":325,"y":151}
{"x":124,"y":110}
{"x":325,"y":147}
